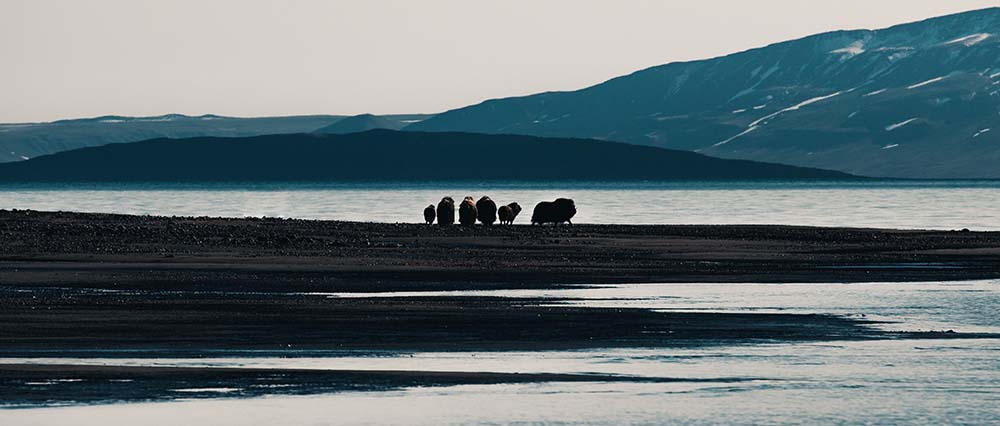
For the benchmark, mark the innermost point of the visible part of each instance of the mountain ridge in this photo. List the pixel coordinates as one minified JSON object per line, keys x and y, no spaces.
{"x":22,"y":141}
{"x":695,"y":105}
{"x":365,"y":122}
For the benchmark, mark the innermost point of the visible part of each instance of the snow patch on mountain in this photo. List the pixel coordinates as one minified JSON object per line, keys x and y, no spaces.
{"x":971,"y":40}
{"x":895,"y":126}
{"x":763,"y":120}
{"x":851,"y":51}
{"x":897,"y":53}
{"x":752,"y":128}
{"x":795,"y":107}
{"x":925,"y":83}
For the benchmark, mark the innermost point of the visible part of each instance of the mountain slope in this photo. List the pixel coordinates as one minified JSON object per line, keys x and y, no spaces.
{"x":387,"y":155}
{"x":365,"y":122}
{"x":914,"y":100}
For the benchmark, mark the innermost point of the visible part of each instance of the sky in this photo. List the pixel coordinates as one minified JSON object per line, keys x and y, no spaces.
{"x":70,"y":58}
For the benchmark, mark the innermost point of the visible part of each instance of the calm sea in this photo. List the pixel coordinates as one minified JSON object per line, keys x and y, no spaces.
{"x":890,"y":204}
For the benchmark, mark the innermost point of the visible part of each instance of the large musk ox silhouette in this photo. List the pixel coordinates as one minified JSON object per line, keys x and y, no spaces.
{"x":555,"y":212}
{"x":486,"y":211}
{"x":508,"y":213}
{"x":429,"y":214}
{"x":467,"y":212}
{"x":446,"y":211}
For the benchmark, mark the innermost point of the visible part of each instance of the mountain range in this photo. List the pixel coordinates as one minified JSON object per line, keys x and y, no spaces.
{"x":386,"y":155}
{"x":21,"y":141}
{"x":919,"y":100}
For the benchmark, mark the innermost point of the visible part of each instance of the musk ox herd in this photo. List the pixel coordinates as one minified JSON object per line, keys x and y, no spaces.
{"x":486,"y":212}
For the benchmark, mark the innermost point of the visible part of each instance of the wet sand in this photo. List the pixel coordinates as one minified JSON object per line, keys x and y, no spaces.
{"x":32,"y":385}
{"x":67,"y":320}
{"x":83,"y":281}
{"x":79,"y":284}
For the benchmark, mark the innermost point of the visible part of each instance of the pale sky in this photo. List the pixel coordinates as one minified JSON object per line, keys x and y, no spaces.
{"x":73,"y":58}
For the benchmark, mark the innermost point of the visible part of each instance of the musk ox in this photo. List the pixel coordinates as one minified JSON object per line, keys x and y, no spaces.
{"x":508,"y":213}
{"x":429,"y":214}
{"x":467,"y":212}
{"x":446,"y":211}
{"x":558,"y":211}
{"x":486,"y":211}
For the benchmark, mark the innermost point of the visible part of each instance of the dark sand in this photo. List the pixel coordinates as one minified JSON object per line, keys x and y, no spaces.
{"x":115,"y":251}
{"x":68,"y":320}
{"x":112,"y":285}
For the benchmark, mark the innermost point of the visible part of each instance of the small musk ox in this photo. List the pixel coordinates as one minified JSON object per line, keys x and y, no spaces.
{"x":467,"y":212}
{"x":508,"y":213}
{"x":429,"y":214}
{"x":486,"y":210}
{"x":558,"y":211}
{"x":446,"y":211}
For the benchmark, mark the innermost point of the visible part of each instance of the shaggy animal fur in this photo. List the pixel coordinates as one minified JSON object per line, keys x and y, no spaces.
{"x":508,"y":213}
{"x":467,"y":212}
{"x":430,"y":214}
{"x":486,"y":211}
{"x":556,"y":212}
{"x":446,"y":211}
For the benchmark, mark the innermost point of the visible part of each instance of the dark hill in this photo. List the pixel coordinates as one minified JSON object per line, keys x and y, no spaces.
{"x":388,"y":155}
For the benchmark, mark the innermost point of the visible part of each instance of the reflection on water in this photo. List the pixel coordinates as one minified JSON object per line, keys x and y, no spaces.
{"x":937,"y":306}
{"x":882,"y":382}
{"x":884,"y":204}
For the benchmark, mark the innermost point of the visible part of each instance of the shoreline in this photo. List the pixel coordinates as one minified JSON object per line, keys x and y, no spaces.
{"x":71,"y":281}
{"x":92,"y":250}
{"x":98,"y":285}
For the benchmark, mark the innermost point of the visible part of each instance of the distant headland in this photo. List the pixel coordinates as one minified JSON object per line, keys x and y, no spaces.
{"x":386,"y":155}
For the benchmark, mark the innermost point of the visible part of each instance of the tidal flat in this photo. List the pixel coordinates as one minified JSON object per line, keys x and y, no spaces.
{"x":104,"y":309}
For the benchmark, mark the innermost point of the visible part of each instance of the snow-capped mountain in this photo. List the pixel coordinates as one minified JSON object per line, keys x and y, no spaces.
{"x":914,"y":100}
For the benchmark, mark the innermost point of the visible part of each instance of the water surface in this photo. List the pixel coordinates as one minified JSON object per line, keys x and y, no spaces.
{"x":885,"y":204}
{"x":881,"y":382}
